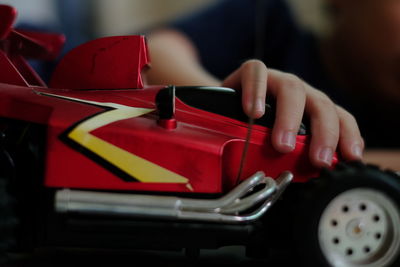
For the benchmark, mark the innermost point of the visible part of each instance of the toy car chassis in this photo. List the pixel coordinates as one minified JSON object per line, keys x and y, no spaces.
{"x":95,"y":159}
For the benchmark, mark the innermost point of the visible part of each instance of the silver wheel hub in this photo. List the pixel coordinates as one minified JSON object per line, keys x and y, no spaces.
{"x":360,"y":227}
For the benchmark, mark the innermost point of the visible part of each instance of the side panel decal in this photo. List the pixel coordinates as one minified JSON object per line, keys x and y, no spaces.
{"x":135,"y":167}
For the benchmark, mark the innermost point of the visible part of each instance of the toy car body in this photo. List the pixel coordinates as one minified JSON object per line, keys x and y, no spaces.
{"x":96,"y":159}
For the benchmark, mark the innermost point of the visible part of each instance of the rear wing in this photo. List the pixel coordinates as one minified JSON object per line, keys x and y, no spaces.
{"x":105,"y":63}
{"x":17,"y":45}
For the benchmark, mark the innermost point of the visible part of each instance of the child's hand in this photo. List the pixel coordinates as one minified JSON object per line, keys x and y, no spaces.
{"x":330,"y":124}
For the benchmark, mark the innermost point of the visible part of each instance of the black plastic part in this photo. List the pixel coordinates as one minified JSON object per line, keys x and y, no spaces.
{"x":22,"y":143}
{"x":226,"y":102}
{"x":165,"y":102}
{"x":8,"y":218}
{"x":192,"y":253}
{"x":318,"y":193}
{"x":131,"y":233}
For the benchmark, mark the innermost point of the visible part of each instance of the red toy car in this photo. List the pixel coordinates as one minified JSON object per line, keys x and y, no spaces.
{"x":96,"y":160}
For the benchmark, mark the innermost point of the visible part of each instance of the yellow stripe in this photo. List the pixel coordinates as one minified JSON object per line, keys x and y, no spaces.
{"x":143,"y":170}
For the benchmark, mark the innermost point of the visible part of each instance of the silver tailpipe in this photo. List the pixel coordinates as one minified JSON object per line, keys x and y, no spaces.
{"x":245,"y":203}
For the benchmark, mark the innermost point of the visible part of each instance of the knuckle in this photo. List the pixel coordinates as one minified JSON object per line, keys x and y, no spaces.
{"x":293,"y":82}
{"x":362,"y":142}
{"x":347,"y":116}
{"x":254,"y":73}
{"x":331,"y":132}
{"x":350,"y":118}
{"x":254,"y":63}
{"x":322,"y":101}
{"x":321,"y":96}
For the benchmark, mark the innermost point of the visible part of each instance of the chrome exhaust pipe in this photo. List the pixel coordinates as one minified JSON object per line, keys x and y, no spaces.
{"x":242,"y":204}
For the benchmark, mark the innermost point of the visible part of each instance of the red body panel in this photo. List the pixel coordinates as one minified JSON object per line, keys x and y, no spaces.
{"x":206,"y":148}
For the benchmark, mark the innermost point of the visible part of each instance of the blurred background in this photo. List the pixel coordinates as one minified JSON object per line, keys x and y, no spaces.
{"x":82,"y":20}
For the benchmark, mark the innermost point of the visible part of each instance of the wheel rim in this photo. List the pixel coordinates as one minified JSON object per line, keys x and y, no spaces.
{"x":360,"y":227}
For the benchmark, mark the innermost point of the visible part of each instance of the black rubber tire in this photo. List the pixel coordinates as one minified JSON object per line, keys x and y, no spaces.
{"x":8,"y":218}
{"x":321,"y":191}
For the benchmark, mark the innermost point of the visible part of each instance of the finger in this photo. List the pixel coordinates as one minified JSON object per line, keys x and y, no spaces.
{"x":254,"y":87}
{"x":251,"y":77}
{"x":324,"y":127}
{"x":351,"y":143}
{"x":289,"y":92}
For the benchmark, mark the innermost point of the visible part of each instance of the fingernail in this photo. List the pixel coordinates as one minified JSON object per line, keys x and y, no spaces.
{"x":357,"y":150}
{"x":325,"y":155}
{"x":288,"y":138}
{"x":259,"y":107}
